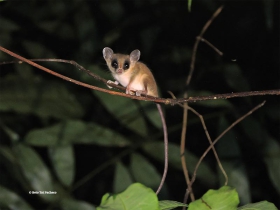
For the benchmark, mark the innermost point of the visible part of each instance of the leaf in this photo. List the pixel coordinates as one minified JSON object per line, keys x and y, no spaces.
{"x":34,"y":170}
{"x":204,"y":172}
{"x":72,"y":204}
{"x":8,"y":154}
{"x":63,"y":160}
{"x":166,"y":204}
{"x":226,"y":198}
{"x":125,"y":110}
{"x":14,"y":137}
{"x":33,"y":96}
{"x":189,"y":5}
{"x":144,"y":172}
{"x":135,"y":197}
{"x":74,"y":131}
{"x":10,"y":200}
{"x":122,"y":178}
{"x":263,"y":205}
{"x":13,"y":172}
{"x":237,"y":178}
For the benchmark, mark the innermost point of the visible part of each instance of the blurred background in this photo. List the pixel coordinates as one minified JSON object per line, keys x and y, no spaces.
{"x":60,"y":137}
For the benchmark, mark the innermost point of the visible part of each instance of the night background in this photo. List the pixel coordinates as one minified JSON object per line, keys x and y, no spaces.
{"x":58,"y":136}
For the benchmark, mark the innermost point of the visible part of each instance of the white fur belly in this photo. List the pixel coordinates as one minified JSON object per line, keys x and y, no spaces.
{"x":136,"y":85}
{"x":122,"y":79}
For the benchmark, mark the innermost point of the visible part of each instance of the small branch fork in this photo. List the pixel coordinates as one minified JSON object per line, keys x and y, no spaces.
{"x":217,"y":139}
{"x":184,"y":103}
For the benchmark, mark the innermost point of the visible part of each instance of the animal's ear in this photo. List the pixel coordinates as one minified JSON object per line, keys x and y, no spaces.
{"x":107,"y":53}
{"x":134,"y":56}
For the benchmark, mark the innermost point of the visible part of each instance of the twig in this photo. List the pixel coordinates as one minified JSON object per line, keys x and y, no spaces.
{"x":208,"y":23}
{"x":228,"y":95}
{"x":183,"y":139}
{"x":74,"y":63}
{"x":182,"y":147}
{"x":185,"y":170}
{"x":211,"y":45}
{"x":220,"y":136}
{"x":182,"y":150}
{"x":211,"y":143}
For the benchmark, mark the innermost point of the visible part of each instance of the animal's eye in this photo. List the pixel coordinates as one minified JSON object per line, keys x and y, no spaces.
{"x":126,"y":65}
{"x":114,"y":64}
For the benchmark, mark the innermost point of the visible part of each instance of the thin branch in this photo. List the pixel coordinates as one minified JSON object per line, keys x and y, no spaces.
{"x":167,"y":101}
{"x":211,"y":143}
{"x":208,"y":23}
{"x":148,"y":98}
{"x":182,"y":149}
{"x":227,"y":95}
{"x":211,"y":45}
{"x":74,"y":63}
{"x":220,"y":136}
{"x":184,"y":130}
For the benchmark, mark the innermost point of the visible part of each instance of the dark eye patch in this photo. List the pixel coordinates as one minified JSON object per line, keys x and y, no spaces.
{"x":114,"y":64}
{"x":126,"y":65}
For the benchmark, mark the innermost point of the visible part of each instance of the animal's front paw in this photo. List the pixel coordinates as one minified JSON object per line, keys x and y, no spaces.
{"x":141,"y":92}
{"x":111,"y":82}
{"x":129,"y":91}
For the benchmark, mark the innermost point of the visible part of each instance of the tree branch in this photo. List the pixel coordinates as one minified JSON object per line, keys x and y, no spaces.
{"x":167,"y":101}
